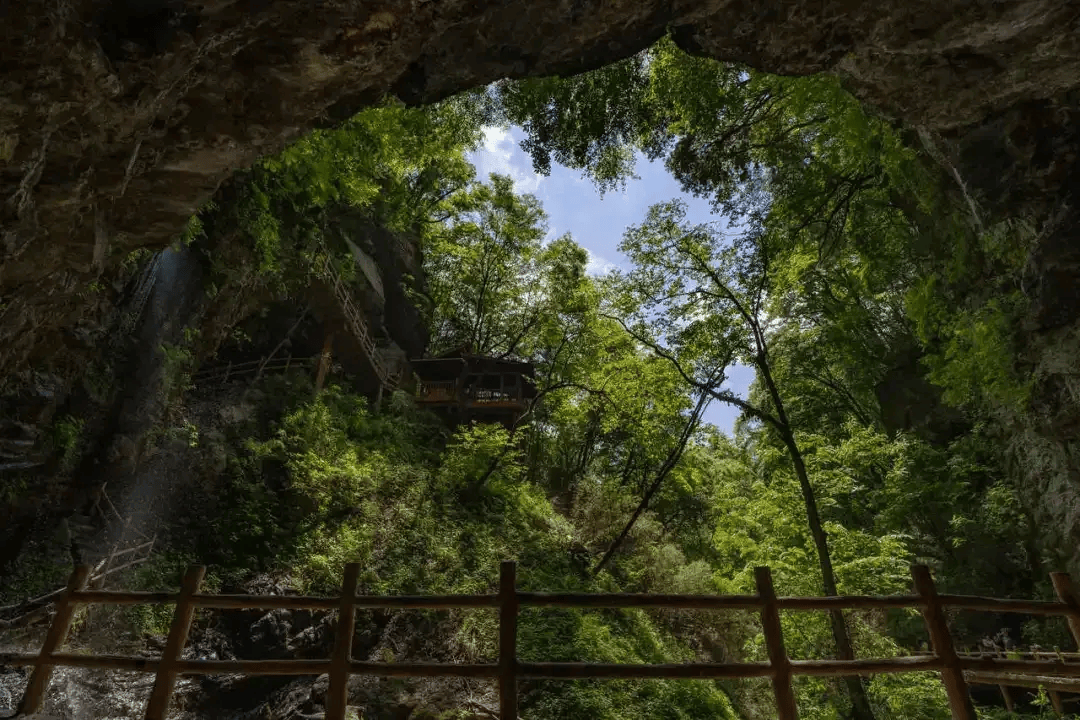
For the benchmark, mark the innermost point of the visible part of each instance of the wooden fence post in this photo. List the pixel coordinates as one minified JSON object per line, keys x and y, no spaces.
{"x":952,"y":675}
{"x":34,"y":697}
{"x":774,"y":641}
{"x":337,"y":697}
{"x":508,"y":611}
{"x":1055,"y":703}
{"x":161,"y":695}
{"x":1066,"y":593}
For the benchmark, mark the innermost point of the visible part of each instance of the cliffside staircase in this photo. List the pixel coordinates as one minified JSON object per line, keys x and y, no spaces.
{"x":358,"y":326}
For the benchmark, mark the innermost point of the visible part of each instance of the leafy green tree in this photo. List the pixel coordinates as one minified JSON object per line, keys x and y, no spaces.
{"x":698,"y":299}
{"x":398,"y":165}
{"x":485,"y":272}
{"x":500,"y":291}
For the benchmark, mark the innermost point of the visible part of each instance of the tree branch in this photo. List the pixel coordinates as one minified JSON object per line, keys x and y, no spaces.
{"x":722,"y":396}
{"x":669,"y":464}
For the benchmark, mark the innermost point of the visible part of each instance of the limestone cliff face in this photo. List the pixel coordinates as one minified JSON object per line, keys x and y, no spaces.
{"x":119,"y":117}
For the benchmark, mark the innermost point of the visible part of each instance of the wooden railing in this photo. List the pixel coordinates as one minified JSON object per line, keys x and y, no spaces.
{"x":116,"y":561}
{"x":228,"y":371}
{"x":1005,"y":681}
{"x":436,"y":391}
{"x":507,"y":670}
{"x":447,"y":391}
{"x":354,"y":319}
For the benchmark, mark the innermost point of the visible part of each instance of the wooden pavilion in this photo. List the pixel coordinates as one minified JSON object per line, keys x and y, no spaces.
{"x":464,"y":387}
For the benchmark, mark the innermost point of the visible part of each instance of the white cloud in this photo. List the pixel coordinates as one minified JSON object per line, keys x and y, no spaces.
{"x":597,"y":264}
{"x":499,"y":153}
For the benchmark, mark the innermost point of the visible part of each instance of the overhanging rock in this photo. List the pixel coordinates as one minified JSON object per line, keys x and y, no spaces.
{"x":118,"y":118}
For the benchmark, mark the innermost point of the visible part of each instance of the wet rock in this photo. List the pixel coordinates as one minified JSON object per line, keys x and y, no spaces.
{"x":123,"y":452}
{"x":269,"y":635}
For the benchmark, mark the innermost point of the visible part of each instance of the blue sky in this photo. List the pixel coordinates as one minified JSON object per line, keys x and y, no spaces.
{"x":573,"y":205}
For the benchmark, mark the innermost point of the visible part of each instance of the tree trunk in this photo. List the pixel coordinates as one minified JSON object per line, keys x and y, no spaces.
{"x":669,"y":463}
{"x":860,"y":702}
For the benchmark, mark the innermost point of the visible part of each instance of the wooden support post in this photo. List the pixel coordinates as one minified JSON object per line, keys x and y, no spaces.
{"x":34,"y":697}
{"x":952,"y":675}
{"x":161,"y":695}
{"x":1067,"y":594}
{"x":774,"y":641}
{"x":337,"y":697}
{"x":324,"y":362}
{"x":1010,"y":706}
{"x":1056,"y":704}
{"x":508,"y":612}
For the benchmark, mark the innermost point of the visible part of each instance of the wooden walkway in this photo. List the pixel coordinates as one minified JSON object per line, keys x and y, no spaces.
{"x":328,"y":271}
{"x":956,"y":669}
{"x":358,"y":327}
{"x":232,"y":371}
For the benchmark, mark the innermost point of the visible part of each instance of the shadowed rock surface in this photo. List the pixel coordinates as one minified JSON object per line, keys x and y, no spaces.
{"x":119,"y":118}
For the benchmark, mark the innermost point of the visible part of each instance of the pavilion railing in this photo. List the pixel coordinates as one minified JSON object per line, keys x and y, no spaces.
{"x":956,"y":669}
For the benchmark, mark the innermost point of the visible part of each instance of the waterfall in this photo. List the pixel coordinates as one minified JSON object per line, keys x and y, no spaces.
{"x":143,"y":288}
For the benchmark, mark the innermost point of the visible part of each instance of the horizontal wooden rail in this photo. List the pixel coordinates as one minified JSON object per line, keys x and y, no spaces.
{"x":1013,"y":653}
{"x":253,"y":367}
{"x":1046,"y":669}
{"x":1050,"y":683}
{"x":565,"y":600}
{"x":289,"y":602}
{"x":713,"y":602}
{"x":576,"y":671}
{"x":985,"y":604}
{"x":257,"y":667}
{"x":553,"y":670}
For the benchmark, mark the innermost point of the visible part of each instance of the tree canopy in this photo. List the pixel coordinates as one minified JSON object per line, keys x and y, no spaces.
{"x":878,"y":315}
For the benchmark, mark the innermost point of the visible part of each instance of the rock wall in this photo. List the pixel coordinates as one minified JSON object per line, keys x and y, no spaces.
{"x":119,"y":117}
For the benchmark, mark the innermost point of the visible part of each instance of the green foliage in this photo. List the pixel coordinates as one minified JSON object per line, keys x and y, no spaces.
{"x":66,"y":441}
{"x":160,"y":573}
{"x":133,"y":259}
{"x":483,"y":268}
{"x":976,"y":364}
{"x":46,"y":567}
{"x":194,"y":229}
{"x":842,"y":262}
{"x":311,"y":485}
{"x":848,"y":256}
{"x":394,"y":165}
{"x":177,"y":365}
